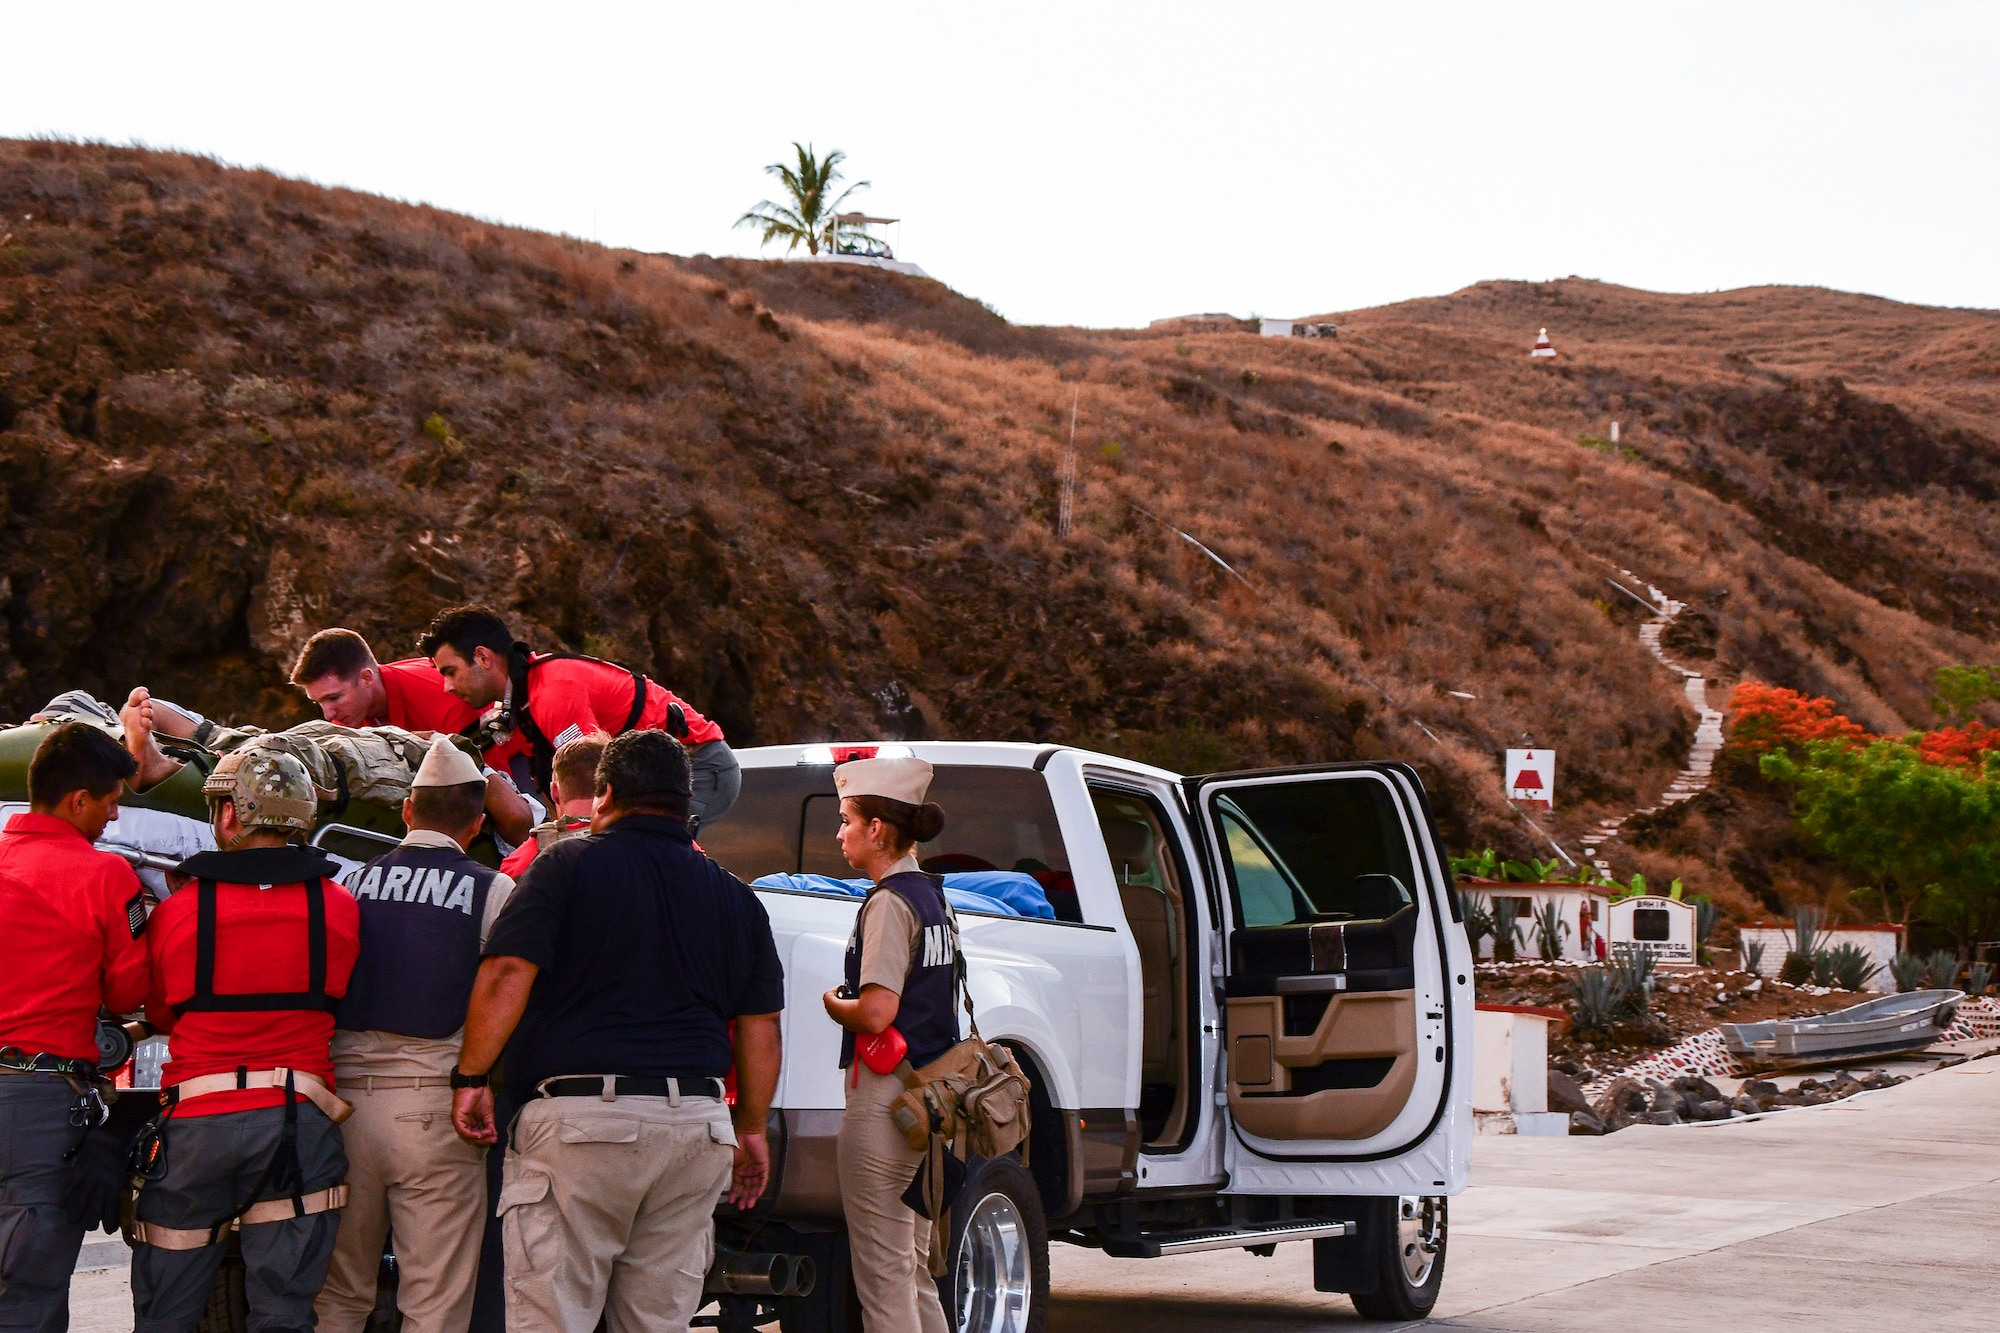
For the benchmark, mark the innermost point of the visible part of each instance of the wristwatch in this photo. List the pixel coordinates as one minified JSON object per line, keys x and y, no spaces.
{"x":461,"y":1079}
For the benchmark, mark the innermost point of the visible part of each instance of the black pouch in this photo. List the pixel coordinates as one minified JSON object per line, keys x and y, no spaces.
{"x":916,"y":1197}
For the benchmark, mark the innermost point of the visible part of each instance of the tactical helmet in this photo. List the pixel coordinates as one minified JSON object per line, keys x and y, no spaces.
{"x":270,"y":789}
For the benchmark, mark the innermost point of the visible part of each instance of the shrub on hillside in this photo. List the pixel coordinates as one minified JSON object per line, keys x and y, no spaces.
{"x":1769,"y":717}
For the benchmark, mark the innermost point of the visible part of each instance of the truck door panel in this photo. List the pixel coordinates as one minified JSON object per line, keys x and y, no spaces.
{"x":1323,"y":998}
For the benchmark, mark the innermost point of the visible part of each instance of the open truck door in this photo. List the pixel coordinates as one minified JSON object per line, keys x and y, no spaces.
{"x":1338,"y":967}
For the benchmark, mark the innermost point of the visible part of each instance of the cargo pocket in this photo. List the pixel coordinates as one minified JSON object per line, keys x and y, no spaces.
{"x":721,"y":1131}
{"x":529,"y":1223}
{"x":33,"y":1252}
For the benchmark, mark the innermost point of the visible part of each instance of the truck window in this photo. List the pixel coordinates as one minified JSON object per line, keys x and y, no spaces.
{"x":1314,"y":851}
{"x":994,"y":819}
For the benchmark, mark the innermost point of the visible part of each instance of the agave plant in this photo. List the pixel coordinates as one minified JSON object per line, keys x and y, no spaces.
{"x":1506,"y":914}
{"x":1941,"y":970}
{"x":1849,"y":966}
{"x":1550,"y":929}
{"x":1977,"y":978}
{"x":1599,"y":996}
{"x":1823,"y":963}
{"x":1908,"y":971}
{"x":1705,"y":917}
{"x":1633,"y":971}
{"x":1753,"y":956}
{"x":1478,"y":921}
{"x":1807,"y":923}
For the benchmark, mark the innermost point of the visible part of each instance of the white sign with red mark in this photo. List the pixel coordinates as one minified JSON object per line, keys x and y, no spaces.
{"x":1531,"y":778}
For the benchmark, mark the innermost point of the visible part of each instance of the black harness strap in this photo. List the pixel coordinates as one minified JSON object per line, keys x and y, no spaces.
{"x":542,"y":751}
{"x":205,"y":1000}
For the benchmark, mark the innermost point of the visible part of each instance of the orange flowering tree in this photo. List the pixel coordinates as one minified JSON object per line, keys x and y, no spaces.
{"x":1769,"y":718}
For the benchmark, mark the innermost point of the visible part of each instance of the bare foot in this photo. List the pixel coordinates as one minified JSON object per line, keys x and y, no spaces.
{"x":154,"y":765}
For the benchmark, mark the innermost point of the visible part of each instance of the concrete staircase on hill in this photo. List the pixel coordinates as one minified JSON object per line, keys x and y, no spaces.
{"x":1692,"y":780}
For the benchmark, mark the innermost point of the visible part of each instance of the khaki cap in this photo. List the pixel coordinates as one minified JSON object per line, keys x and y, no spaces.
{"x":446,"y":766}
{"x":905,"y":780}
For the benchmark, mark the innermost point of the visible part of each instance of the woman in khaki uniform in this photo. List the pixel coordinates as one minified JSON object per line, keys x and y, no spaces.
{"x":901,"y":973}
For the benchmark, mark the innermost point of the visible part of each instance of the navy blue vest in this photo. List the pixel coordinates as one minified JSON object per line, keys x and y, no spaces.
{"x":420,"y":914}
{"x":928,"y":1014}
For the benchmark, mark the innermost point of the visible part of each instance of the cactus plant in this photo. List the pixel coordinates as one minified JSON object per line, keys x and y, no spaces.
{"x":1550,"y":929}
{"x":1941,"y":970}
{"x":1908,"y":971}
{"x":1977,"y":978}
{"x":1600,"y":999}
{"x":1850,"y":967}
{"x":1753,"y":957}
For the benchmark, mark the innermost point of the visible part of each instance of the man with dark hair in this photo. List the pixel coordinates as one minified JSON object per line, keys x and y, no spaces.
{"x":617,"y":971}
{"x":249,"y":962}
{"x":548,"y":699}
{"x":337,"y":670}
{"x":74,"y":922}
{"x":426,"y":909}
{"x":573,"y":791}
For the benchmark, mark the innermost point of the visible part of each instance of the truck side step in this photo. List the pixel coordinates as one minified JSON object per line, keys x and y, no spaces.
{"x":1161,"y":1243}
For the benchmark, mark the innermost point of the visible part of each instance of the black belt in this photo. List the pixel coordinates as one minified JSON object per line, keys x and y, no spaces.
{"x":588,"y":1085}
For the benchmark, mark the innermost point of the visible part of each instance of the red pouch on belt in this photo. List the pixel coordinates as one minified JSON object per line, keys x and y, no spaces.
{"x":883,"y":1051}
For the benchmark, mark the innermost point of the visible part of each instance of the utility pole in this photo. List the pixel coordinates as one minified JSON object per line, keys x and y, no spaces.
{"x":1066,"y":512}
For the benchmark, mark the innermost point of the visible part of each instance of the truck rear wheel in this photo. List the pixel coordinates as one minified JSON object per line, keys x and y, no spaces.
{"x":1409,"y":1239}
{"x":997,"y":1271}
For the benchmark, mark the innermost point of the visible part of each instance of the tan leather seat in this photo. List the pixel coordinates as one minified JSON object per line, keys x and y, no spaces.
{"x":1150,"y":915}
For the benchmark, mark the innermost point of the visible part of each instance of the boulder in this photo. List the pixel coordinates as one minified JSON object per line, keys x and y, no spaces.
{"x":1660,"y":1118}
{"x":1714,"y":1109}
{"x":1623,"y":1096}
{"x":1758,"y":1087}
{"x":1746,"y":1105}
{"x":1583,"y":1122}
{"x":1566,"y":1094}
{"x":1698,"y":1088}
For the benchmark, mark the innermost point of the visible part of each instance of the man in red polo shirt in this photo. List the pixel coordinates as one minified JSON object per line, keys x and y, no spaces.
{"x":250,"y":957}
{"x":74,"y":922}
{"x":549,"y":699}
{"x":337,"y":670}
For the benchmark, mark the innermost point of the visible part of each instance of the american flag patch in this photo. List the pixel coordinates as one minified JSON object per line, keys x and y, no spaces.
{"x":135,"y":914}
{"x":569,"y":733}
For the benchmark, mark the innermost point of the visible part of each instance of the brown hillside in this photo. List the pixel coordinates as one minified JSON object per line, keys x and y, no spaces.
{"x":821,"y":501}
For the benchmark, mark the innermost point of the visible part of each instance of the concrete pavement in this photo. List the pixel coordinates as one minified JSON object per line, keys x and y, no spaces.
{"x":1873,"y":1213}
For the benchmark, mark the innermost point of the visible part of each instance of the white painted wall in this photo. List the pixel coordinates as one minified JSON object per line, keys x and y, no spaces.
{"x":1882,"y":943}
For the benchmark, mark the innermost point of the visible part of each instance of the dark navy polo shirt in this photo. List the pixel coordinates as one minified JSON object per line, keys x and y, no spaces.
{"x":647,"y":950}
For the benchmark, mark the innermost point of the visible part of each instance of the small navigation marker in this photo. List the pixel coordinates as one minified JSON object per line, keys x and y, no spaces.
{"x":1544,"y":349}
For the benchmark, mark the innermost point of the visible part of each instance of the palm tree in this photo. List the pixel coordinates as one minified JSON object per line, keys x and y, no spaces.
{"x":808,"y":217}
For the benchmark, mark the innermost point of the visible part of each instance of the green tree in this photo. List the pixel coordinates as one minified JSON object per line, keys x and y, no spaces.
{"x":1927,"y":835}
{"x":807,"y":215}
{"x":1961,"y":689}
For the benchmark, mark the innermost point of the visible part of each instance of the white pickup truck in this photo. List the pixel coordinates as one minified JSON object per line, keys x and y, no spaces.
{"x":1248,"y":1021}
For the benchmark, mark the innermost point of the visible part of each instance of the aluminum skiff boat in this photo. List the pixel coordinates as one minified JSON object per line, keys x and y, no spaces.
{"x":1889,"y":1026}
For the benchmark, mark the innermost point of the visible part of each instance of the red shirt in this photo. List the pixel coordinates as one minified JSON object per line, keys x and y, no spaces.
{"x":519,"y":859}
{"x":419,"y":699}
{"x":260,"y":946}
{"x":570,"y":698}
{"x":67,"y":915}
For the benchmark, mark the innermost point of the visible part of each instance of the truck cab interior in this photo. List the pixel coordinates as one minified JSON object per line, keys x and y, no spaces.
{"x":1151,"y":887}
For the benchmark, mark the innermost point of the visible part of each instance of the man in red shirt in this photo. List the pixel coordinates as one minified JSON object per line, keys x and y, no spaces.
{"x":250,"y":956}
{"x":337,"y":670}
{"x":74,"y":920}
{"x":548,"y":699}
{"x":572,"y":790}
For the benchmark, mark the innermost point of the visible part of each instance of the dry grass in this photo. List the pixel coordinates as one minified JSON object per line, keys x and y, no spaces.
{"x":821,"y":501}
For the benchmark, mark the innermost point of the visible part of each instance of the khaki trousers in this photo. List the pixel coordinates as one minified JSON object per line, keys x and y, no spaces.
{"x":608,"y":1208}
{"x":407,"y":1172}
{"x":888,"y":1245}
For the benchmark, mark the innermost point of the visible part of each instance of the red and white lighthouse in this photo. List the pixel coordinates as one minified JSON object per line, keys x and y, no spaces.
{"x":1544,"y":349}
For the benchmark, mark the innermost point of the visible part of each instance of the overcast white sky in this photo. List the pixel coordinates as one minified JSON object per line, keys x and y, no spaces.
{"x":1107,"y":164}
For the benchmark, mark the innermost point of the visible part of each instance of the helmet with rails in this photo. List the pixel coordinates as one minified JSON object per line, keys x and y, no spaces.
{"x":270,"y":789}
